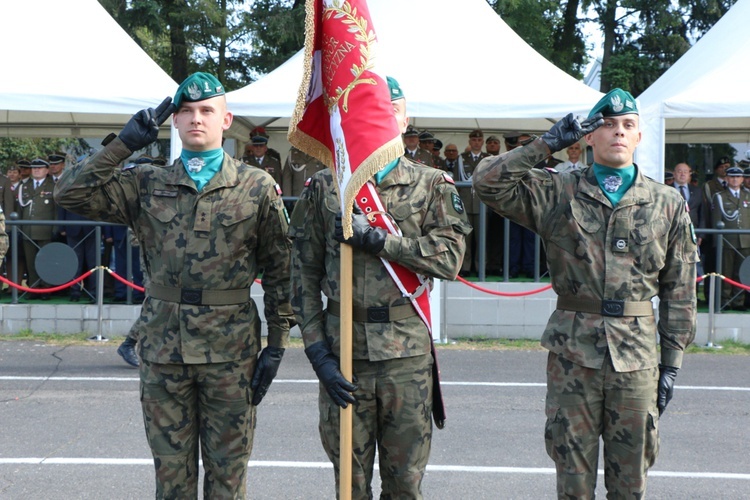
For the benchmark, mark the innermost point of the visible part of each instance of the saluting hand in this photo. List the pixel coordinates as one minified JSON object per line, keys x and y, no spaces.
{"x":143,"y":128}
{"x":569,"y":130}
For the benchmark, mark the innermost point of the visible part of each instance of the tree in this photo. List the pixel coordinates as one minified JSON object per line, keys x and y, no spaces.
{"x":12,"y":149}
{"x":278,"y":32}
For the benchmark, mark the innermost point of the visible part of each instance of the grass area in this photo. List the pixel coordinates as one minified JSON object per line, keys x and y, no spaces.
{"x":460,"y":343}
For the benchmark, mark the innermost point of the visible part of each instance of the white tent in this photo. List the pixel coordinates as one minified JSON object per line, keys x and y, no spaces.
{"x":460,"y":66}
{"x":703,"y":97}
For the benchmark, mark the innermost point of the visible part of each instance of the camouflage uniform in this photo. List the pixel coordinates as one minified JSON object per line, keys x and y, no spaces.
{"x":467,"y":162}
{"x":735,"y":213}
{"x":269,"y":164}
{"x":198,"y":348}
{"x":391,"y":359}
{"x":602,"y":369}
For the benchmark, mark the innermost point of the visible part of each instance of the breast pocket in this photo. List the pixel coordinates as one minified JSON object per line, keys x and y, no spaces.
{"x":575,"y":228}
{"x":649,"y":243}
{"x":158,"y":219}
{"x":238,"y":226}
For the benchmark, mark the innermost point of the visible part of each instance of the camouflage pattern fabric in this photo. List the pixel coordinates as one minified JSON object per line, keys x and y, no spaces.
{"x":392,"y":360}
{"x":426,"y":208}
{"x":394,"y":403}
{"x":642,"y":248}
{"x":297,"y":169}
{"x":583,"y":403}
{"x":218,"y":392}
{"x":217,"y":239}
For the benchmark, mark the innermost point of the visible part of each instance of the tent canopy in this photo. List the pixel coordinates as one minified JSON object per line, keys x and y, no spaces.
{"x":703,"y":97}
{"x":460,"y":66}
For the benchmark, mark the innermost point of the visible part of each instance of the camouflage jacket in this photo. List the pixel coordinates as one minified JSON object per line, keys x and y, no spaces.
{"x":428,"y":210}
{"x":217,"y":239}
{"x":297,"y":169}
{"x":644,"y":247}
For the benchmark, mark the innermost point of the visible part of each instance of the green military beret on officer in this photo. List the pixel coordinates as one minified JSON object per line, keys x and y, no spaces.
{"x":616,"y":102}
{"x":198,"y":87}
{"x":394,"y":88}
{"x":734,"y":172}
{"x":39,"y":163}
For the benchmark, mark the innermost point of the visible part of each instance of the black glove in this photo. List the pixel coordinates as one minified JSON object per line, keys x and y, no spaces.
{"x":569,"y":130}
{"x":143,"y":127}
{"x":667,"y":374}
{"x":265,"y":371}
{"x":368,"y":238}
{"x":326,"y":367}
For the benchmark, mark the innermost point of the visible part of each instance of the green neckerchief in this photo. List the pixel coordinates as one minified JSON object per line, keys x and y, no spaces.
{"x":614,"y":182}
{"x":379,"y":176}
{"x":213,"y":160}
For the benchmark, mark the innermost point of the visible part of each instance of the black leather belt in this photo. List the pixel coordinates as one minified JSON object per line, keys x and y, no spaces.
{"x":382,"y":314}
{"x":198,"y":297}
{"x":612,"y":308}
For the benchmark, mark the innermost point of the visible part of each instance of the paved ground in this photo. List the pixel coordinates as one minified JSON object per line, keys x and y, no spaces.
{"x":70,"y":427}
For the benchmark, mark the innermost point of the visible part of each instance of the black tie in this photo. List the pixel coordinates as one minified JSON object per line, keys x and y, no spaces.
{"x":682,"y":192}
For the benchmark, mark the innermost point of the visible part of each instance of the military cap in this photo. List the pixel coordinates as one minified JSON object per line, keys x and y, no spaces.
{"x":394,"y":88}
{"x":438,"y":145}
{"x":722,"y":161}
{"x":734,"y":172}
{"x":493,"y":138}
{"x":476,"y":133}
{"x":39,"y":163}
{"x":411,"y":132}
{"x":259,"y":140}
{"x":258,"y":131}
{"x":56,"y":157}
{"x":23,"y":163}
{"x":616,"y":102}
{"x":668,"y":175}
{"x":743,"y":163}
{"x":426,"y":136}
{"x":746,"y":172}
{"x":198,"y":87}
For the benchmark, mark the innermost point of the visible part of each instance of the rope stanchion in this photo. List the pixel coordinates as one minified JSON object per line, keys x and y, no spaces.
{"x":47,"y":290}
{"x":126,"y":282}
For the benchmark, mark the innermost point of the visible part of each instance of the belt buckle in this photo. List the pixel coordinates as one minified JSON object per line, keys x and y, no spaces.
{"x":378,"y":314}
{"x":614,"y":308}
{"x":191,"y":296}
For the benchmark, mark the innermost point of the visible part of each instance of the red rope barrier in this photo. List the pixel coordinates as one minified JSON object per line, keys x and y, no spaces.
{"x":503,"y":294}
{"x":123,"y":280}
{"x":47,"y":290}
{"x":734,"y":283}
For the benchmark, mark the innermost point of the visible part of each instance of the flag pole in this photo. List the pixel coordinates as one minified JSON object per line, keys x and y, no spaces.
{"x":345,"y":425}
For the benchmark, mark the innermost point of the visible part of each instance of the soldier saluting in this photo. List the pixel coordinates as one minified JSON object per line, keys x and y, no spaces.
{"x":206,"y":225}
{"x":615,"y":239}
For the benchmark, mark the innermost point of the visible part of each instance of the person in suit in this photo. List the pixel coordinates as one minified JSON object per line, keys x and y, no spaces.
{"x":694,"y":198}
{"x":574,"y":161}
{"x":259,"y":158}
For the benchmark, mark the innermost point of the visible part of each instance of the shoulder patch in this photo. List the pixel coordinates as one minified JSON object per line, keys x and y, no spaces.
{"x":457,"y":203}
{"x":308,"y":181}
{"x":277,"y":188}
{"x":448,"y":178}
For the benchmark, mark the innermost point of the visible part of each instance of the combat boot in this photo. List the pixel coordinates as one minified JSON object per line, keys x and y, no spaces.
{"x":127,"y":351}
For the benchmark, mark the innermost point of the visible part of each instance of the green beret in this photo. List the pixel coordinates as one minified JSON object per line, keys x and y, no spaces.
{"x":395,"y":88}
{"x":198,"y":87}
{"x":616,"y":102}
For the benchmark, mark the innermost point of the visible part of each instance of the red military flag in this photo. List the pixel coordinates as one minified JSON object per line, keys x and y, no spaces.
{"x":343,"y":114}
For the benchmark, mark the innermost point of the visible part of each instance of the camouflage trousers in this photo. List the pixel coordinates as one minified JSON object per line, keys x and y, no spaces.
{"x":393,"y":414}
{"x":184,"y":405}
{"x":584,"y":404}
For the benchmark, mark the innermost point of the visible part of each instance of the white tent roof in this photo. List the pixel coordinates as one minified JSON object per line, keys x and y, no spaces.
{"x":460,"y":66}
{"x":703,"y":97}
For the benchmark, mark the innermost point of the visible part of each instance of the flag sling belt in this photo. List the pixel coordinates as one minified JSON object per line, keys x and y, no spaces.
{"x":384,"y":314}
{"x":198,"y":297}
{"x":615,"y":308}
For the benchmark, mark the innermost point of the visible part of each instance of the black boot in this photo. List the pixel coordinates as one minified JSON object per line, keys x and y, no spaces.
{"x":127,"y":351}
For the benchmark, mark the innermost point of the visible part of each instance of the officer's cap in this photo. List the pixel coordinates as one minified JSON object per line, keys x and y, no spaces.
{"x":438,"y":145}
{"x":258,"y":131}
{"x":668,"y":175}
{"x":615,"y":103}
{"x":426,"y":136}
{"x":394,"y":88}
{"x":411,"y":132}
{"x":493,"y":138}
{"x":722,"y":161}
{"x":734,"y":172}
{"x":476,"y":133}
{"x":746,"y":172}
{"x":259,"y":140}
{"x":57,"y":157}
{"x":39,"y":163}
{"x":198,"y":87}
{"x":23,"y":163}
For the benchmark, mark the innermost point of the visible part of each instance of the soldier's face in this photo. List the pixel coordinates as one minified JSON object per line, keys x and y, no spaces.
{"x":735,"y":181}
{"x":399,"y":111}
{"x":39,"y":173}
{"x":493,"y":147}
{"x":25,"y":172}
{"x":201,"y":124}
{"x":574,"y":152}
{"x":451,"y":152}
{"x":476,"y":143}
{"x":56,"y":168}
{"x":411,"y":141}
{"x":14,"y":175}
{"x":614,"y":142}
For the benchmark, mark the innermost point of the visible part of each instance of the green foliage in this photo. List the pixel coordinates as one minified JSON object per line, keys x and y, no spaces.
{"x":278,"y":32}
{"x":14,"y":149}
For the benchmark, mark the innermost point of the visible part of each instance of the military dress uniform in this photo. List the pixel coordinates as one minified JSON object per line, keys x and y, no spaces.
{"x":734,"y":212}
{"x":464,"y":169}
{"x":297,"y":169}
{"x":391,"y":352}
{"x":420,"y":156}
{"x":199,"y":331}
{"x":269,"y":164}
{"x":36,"y":203}
{"x":605,"y":265}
